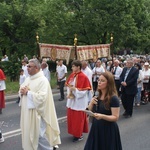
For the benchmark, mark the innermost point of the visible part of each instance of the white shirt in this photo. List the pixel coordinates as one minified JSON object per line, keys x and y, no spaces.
{"x":88,"y":72}
{"x":97,"y":70}
{"x":140,"y":78}
{"x":118,"y":73}
{"x":46,"y":73}
{"x":22,"y":79}
{"x":146,"y":73}
{"x":25,"y":70}
{"x":6,"y":59}
{"x":61,"y":71}
{"x":126,"y":74}
{"x":2,"y":85}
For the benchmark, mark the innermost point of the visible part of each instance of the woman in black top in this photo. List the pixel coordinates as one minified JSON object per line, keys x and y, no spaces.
{"x":104,"y":133}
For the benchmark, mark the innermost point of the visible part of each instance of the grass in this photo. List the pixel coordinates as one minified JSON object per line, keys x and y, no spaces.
{"x":13,"y":87}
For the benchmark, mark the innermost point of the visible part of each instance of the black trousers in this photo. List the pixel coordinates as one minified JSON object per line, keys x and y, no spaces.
{"x":61,"y":88}
{"x":117,"y":83}
{"x":127,"y":102}
{"x":146,"y":87}
{"x":95,"y":84}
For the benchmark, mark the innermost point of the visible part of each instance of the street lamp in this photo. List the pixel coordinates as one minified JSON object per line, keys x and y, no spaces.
{"x":75,"y":44}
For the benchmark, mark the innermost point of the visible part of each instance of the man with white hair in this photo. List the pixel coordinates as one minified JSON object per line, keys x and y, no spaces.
{"x":128,"y":79}
{"x":117,"y":70}
{"x":39,"y":125}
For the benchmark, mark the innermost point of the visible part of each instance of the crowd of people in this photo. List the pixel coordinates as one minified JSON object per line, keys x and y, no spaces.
{"x":98,"y":87}
{"x":112,"y":82}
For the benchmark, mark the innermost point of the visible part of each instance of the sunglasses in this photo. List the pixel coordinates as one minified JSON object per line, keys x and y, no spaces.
{"x":30,"y":66}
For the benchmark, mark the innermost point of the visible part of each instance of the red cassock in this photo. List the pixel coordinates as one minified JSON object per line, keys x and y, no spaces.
{"x":2,"y":96}
{"x":77,"y":120}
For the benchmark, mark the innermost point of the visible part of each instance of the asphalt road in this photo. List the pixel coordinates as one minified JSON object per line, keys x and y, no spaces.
{"x":135,"y":131}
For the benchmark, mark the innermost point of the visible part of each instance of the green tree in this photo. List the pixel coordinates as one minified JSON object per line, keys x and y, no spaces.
{"x":58,"y":21}
{"x":19,"y":23}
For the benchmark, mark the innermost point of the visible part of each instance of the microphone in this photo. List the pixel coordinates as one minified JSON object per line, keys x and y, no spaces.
{"x":96,"y":96}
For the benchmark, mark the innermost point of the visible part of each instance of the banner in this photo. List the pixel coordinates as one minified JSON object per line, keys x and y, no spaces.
{"x":67,"y":52}
{"x":93,"y":51}
{"x":55,"y":51}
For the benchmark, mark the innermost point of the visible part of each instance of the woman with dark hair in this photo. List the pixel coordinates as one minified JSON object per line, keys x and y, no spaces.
{"x":104,"y":133}
{"x":139,"y":84}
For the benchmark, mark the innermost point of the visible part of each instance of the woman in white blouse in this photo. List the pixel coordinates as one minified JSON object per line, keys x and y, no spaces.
{"x":139,"y":85}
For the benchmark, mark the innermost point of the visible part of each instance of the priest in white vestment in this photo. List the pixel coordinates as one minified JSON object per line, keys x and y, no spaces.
{"x":39,"y":125}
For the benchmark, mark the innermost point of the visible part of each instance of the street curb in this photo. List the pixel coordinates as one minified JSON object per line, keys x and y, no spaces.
{"x":14,"y":97}
{"x":9,"y":98}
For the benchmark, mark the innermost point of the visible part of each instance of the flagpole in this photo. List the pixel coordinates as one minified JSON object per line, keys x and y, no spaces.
{"x":37,"y":42}
{"x":112,"y":47}
{"x":75,"y":45}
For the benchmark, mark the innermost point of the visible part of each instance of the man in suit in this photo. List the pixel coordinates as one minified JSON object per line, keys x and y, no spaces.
{"x":128,"y":80}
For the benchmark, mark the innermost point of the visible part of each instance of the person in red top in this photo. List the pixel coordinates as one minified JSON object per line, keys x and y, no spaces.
{"x":78,"y":91}
{"x":2,"y":88}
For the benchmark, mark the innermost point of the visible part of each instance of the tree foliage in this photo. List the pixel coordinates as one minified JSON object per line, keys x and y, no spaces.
{"x":58,"y":21}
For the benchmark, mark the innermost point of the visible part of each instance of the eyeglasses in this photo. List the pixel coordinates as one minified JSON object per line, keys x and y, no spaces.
{"x":30,"y":66}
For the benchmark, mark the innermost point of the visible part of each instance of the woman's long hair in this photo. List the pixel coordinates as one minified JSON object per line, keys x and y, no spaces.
{"x":110,"y":89}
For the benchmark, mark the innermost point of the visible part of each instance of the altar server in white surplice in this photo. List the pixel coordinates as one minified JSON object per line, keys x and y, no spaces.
{"x":39,"y":125}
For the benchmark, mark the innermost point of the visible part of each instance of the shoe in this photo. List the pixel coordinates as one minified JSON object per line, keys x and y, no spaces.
{"x":143,"y":103}
{"x":55,"y":147}
{"x":76,"y":139}
{"x":138,"y":105}
{"x":61,"y":99}
{"x":2,"y":139}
